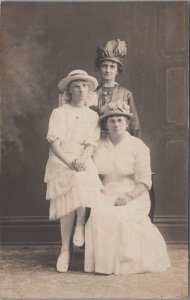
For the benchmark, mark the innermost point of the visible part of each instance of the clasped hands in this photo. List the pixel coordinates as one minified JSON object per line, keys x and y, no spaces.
{"x":78,"y":164}
{"x":123,"y":200}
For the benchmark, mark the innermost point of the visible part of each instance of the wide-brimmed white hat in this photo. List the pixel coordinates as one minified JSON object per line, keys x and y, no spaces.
{"x":78,"y":75}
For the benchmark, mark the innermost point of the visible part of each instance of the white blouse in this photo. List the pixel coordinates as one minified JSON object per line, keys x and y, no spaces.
{"x":73,"y":126}
{"x":129,"y":157}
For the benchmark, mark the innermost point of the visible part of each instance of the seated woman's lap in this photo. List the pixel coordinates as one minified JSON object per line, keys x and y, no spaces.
{"x":135,"y":211}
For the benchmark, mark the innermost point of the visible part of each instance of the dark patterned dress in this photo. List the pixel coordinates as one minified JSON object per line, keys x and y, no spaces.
{"x":116,"y":94}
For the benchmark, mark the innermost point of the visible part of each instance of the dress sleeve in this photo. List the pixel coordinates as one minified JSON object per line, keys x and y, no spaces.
{"x":94,"y":131}
{"x":134,"y":126}
{"x":54,"y":129}
{"x":101,"y":158}
{"x":142,"y":168}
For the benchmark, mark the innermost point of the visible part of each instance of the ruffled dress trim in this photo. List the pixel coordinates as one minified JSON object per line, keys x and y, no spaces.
{"x":68,"y":190}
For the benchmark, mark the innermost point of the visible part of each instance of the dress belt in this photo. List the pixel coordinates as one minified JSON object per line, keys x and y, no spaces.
{"x":113,"y":177}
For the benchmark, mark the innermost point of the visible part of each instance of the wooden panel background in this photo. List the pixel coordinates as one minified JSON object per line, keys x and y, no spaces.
{"x":42,"y":42}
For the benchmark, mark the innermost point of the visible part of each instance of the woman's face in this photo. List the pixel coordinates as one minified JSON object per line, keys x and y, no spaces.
{"x":117,"y":124}
{"x":79,"y":91}
{"x":108,"y":70}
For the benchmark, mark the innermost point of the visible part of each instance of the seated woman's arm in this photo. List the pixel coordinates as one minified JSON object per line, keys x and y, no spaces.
{"x":127,"y":197}
{"x":142,"y":174}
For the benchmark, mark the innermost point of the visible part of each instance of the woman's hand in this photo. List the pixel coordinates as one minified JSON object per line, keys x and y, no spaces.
{"x":123,"y":200}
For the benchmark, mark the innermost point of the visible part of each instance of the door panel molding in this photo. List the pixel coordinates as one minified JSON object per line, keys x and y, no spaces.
{"x":176,"y":96}
{"x":172,"y":23}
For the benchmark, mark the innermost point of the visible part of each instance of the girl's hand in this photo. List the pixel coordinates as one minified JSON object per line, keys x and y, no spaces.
{"x":79,"y":164}
{"x":71,"y":165}
{"x":123,"y":200}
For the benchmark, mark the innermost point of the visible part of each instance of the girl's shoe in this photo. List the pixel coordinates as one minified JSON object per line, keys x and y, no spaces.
{"x":78,"y":238}
{"x":63,"y":261}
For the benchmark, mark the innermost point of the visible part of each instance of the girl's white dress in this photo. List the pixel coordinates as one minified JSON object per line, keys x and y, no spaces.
{"x":74,"y":127}
{"x":122,"y":239}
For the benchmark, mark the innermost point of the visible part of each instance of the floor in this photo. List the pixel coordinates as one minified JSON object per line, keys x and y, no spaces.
{"x":29,"y":272}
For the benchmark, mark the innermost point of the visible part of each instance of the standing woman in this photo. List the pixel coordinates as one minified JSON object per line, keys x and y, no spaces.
{"x":71,"y":176}
{"x":109,"y":62}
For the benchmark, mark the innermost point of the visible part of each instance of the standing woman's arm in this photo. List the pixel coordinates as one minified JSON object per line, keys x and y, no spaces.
{"x":134,"y":125}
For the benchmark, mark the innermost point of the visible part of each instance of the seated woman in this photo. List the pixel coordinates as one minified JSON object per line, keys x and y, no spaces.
{"x":119,"y":236}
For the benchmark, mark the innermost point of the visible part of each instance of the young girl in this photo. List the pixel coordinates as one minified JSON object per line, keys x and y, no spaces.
{"x":71,"y":176}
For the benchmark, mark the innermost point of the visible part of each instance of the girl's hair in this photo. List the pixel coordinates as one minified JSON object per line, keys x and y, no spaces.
{"x":65,"y":97}
{"x":68,"y":86}
{"x":98,"y":64}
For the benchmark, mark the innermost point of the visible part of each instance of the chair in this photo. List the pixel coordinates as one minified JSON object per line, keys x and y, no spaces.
{"x":152,"y":200}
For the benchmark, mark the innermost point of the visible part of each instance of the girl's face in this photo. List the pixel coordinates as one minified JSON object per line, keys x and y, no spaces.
{"x":117,"y":124}
{"x":79,"y":91}
{"x":108,"y":70}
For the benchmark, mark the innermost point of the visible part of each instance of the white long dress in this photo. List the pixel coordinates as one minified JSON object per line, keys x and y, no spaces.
{"x":122,"y":239}
{"x":67,"y":190}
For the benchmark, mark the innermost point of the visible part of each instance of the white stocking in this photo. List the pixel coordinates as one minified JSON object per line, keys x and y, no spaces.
{"x":80,"y":216}
{"x":66,"y":224}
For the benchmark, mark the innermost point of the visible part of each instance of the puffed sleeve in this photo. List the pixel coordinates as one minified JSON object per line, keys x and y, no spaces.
{"x":134,"y":126}
{"x":55,"y":130}
{"x":142,"y":168}
{"x":94,"y":130}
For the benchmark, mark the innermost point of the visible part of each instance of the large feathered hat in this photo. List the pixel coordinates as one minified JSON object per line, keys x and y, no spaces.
{"x":114,"y":50}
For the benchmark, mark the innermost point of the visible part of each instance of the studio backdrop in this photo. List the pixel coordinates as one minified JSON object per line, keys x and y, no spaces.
{"x":43,"y":42}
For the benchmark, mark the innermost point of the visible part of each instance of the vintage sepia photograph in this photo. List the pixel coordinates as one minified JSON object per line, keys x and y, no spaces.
{"x":94,"y":150}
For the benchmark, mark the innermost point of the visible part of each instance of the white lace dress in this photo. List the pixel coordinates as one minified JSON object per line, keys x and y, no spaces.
{"x":67,"y":189}
{"x":122,"y":239}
